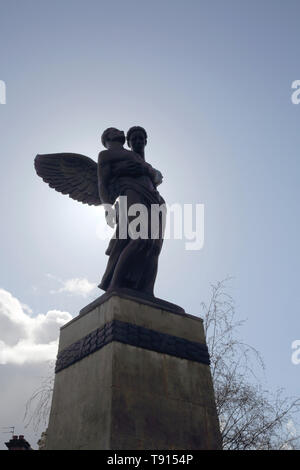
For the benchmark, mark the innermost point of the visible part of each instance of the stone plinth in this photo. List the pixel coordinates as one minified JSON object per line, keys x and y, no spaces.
{"x":132,"y":376}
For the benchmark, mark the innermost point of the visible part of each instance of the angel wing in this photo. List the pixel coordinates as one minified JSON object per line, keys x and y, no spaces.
{"x":70,"y":173}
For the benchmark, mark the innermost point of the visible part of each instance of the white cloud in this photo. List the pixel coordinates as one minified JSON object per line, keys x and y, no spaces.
{"x":79,"y":286}
{"x":25,"y":338}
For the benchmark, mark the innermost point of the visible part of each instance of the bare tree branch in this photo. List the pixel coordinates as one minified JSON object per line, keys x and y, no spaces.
{"x":250,"y":417}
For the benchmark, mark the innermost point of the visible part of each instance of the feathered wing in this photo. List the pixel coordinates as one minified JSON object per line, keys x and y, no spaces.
{"x":70,"y":173}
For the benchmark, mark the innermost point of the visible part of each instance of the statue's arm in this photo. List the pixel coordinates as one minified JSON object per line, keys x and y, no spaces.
{"x":154,"y":174}
{"x":129,"y":167}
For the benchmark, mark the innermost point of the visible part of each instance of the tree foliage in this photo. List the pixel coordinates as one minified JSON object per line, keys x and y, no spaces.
{"x":250,"y":416}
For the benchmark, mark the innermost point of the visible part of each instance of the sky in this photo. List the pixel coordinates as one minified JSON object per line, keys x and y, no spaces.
{"x":211,"y":83}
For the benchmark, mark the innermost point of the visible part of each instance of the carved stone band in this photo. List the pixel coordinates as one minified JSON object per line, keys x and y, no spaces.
{"x":133,"y":335}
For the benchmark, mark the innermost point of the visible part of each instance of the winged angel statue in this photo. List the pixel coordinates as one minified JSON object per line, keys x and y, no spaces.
{"x":132,"y":262}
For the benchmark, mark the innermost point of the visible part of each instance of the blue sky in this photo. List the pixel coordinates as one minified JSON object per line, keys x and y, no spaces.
{"x":211,"y":83}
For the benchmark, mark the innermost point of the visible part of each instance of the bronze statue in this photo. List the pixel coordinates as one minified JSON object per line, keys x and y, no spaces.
{"x":132,"y":262}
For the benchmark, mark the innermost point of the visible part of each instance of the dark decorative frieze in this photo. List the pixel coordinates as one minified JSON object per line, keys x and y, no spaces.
{"x":133,"y":335}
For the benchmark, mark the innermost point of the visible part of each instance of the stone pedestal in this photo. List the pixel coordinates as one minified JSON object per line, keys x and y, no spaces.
{"x":132,"y":376}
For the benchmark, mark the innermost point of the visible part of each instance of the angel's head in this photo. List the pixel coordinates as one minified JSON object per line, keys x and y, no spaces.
{"x":137,"y":138}
{"x":112,"y":135}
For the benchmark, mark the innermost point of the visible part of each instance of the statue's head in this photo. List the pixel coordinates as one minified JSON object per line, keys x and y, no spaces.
{"x":136,"y":138}
{"x":112,"y":135}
